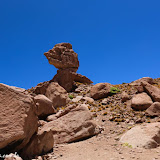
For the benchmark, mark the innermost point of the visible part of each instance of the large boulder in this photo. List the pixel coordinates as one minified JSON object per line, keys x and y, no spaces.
{"x":62,"y":56}
{"x":100,"y":90}
{"x":153,"y":110}
{"x":153,"y":91}
{"x":143,"y":136}
{"x":137,"y":84}
{"x":57,"y":95}
{"x":18,"y":120}
{"x":44,"y":105}
{"x":141,"y":101}
{"x":144,"y":79}
{"x":40,"y":143}
{"x":72,"y":126}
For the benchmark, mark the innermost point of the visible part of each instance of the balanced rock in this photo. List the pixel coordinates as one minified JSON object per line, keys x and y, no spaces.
{"x":143,"y":136}
{"x":57,"y":95}
{"x":65,"y":59}
{"x":18,"y":118}
{"x":141,"y":101}
{"x":62,"y":56}
{"x":154,"y":109}
{"x":44,"y":105}
{"x":73,"y":126}
{"x":153,"y":91}
{"x":100,"y":90}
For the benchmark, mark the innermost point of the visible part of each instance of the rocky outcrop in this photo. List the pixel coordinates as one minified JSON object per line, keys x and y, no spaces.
{"x":100,"y":90}
{"x":141,"y":101}
{"x":75,"y":125}
{"x":143,"y":136}
{"x":40,"y":143}
{"x":154,"y":110}
{"x":18,"y":118}
{"x":62,"y":56}
{"x":153,"y":91}
{"x":57,"y":95}
{"x":137,"y":84}
{"x":44,"y":105}
{"x":65,"y":59}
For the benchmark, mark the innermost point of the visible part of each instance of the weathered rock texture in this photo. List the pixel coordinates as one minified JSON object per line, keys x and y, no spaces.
{"x":154,"y":109}
{"x":18,"y":120}
{"x":57,"y":95}
{"x":65,"y":59}
{"x":44,"y":105}
{"x":62,"y":56}
{"x":138,"y":84}
{"x":153,"y":91}
{"x":146,"y":136}
{"x":100,"y":90}
{"x":72,"y":126}
{"x":40,"y":143}
{"x":141,"y":101}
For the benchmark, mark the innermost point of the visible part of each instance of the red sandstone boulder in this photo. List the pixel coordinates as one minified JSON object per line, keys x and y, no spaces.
{"x":62,"y":56}
{"x":18,"y":120}
{"x":57,"y":95}
{"x":100,"y":90}
{"x":141,"y":101}
{"x":73,"y":125}
{"x":154,"y":109}
{"x":143,"y":136}
{"x":153,"y":91}
{"x":40,"y":143}
{"x":44,"y":105}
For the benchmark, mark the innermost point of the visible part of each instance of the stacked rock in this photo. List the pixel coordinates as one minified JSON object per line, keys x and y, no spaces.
{"x":65,"y":59}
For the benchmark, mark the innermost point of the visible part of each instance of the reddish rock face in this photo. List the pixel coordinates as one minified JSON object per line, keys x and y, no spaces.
{"x":141,"y":101}
{"x":62,"y":56}
{"x":72,"y":126}
{"x":154,"y":109}
{"x":57,"y":95}
{"x":153,"y":91}
{"x":40,"y":143}
{"x":143,"y":136}
{"x":18,"y":118}
{"x":100,"y":90}
{"x":44,"y":106}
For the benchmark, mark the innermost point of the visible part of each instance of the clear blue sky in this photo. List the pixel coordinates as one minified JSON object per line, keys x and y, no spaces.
{"x":116,"y":40}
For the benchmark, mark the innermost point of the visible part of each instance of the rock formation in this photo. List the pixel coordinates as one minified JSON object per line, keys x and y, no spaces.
{"x":66,"y":61}
{"x":18,"y":118}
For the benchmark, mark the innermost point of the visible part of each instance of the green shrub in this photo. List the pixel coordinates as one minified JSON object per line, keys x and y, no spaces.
{"x":114,"y":90}
{"x":70,"y":96}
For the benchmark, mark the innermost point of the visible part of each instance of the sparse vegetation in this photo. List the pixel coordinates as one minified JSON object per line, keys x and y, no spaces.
{"x":114,"y":90}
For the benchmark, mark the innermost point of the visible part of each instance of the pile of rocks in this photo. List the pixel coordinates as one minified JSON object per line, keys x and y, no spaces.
{"x":55,"y":112}
{"x":26,"y":126}
{"x":65,"y":59}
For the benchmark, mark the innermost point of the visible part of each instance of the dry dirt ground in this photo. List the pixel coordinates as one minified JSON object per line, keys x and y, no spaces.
{"x":104,"y":146}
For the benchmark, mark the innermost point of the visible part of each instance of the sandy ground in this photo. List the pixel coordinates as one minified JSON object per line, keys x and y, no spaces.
{"x":105,"y":146}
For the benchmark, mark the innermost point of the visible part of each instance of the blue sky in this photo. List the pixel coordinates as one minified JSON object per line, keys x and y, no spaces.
{"x":116,"y":41}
